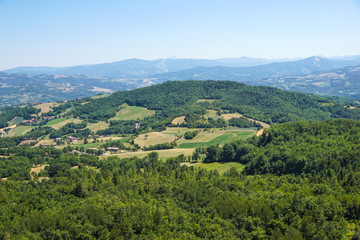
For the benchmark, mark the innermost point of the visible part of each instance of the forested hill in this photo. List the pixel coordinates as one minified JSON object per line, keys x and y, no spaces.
{"x":176,"y":98}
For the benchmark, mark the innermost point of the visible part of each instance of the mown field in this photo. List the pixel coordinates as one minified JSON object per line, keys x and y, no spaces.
{"x":133,"y":113}
{"x":19,"y":131}
{"x":206,"y":139}
{"x":163,"y":154}
{"x":46,"y":107}
{"x":60,"y":122}
{"x":153,"y":138}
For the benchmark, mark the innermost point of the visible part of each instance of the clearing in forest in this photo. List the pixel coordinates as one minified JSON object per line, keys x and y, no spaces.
{"x":228,"y":116}
{"x":205,"y":100}
{"x":133,"y":113}
{"x":220,"y":167}
{"x":46,"y":107}
{"x":178,"y":120}
{"x":94,"y":127}
{"x":60,"y":122}
{"x":38,"y":169}
{"x":153,"y":138}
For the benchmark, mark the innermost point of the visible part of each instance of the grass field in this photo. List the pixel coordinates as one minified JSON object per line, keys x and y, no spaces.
{"x":133,"y":113}
{"x":162,"y":153}
{"x":205,"y":139}
{"x":153,"y":138}
{"x":19,"y":131}
{"x":60,"y":122}
{"x":45,"y":141}
{"x":46,"y":107}
{"x":15,"y":121}
{"x":80,"y":143}
{"x":178,"y":120}
{"x":177,"y":131}
{"x":228,"y":116}
{"x":100,"y":96}
{"x":94,"y":127}
{"x":220,"y":167}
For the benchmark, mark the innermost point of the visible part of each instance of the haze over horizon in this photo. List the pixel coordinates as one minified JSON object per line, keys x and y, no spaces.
{"x":66,"y":33}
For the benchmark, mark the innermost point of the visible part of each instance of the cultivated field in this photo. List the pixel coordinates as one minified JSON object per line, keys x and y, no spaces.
{"x":46,"y":107}
{"x":162,"y":153}
{"x":90,"y":144}
{"x":19,"y":131}
{"x":45,"y":141}
{"x":60,"y":122}
{"x":228,"y":116}
{"x":177,"y":131}
{"x":15,"y":121}
{"x":133,"y":113}
{"x":178,"y":120}
{"x":153,"y":138}
{"x":214,"y":137}
{"x":94,"y":127}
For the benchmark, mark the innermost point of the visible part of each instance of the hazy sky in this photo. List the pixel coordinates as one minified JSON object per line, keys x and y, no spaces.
{"x":71,"y":32}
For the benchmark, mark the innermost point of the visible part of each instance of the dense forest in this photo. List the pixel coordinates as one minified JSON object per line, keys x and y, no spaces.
{"x":300,"y":181}
{"x":178,"y":98}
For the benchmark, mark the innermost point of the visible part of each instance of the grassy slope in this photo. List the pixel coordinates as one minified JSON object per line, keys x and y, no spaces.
{"x":94,"y":127}
{"x":222,"y":138}
{"x":133,"y":113}
{"x":60,"y":122}
{"x":220,"y":167}
{"x":19,"y":131}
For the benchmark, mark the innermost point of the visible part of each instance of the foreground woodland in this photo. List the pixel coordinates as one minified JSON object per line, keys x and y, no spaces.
{"x":301,"y":181}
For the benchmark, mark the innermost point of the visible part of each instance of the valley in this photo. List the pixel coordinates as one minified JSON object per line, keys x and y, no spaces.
{"x":222,"y":148}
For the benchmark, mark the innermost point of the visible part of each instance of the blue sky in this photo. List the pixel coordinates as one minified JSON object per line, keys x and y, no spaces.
{"x":72,"y":32}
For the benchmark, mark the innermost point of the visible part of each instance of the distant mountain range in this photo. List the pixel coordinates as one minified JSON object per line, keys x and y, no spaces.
{"x":134,"y":68}
{"x":166,"y":69}
{"x":249,"y":74}
{"x":313,"y":75}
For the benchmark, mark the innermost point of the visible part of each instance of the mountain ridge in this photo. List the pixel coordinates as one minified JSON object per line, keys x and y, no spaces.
{"x":135,"y":68}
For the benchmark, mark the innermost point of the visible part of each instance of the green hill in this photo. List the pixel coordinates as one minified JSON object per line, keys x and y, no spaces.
{"x":176,"y":98}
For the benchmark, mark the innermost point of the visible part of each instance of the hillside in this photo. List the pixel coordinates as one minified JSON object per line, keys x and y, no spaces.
{"x":176,"y":98}
{"x":342,"y":82}
{"x":189,"y":104}
{"x":181,"y":160}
